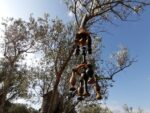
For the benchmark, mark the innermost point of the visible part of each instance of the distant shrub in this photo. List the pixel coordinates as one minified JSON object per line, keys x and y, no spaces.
{"x":18,"y":108}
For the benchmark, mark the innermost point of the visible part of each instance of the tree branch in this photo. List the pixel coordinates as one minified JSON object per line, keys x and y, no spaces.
{"x":111,"y":76}
{"x":75,"y":12}
{"x":58,"y":76}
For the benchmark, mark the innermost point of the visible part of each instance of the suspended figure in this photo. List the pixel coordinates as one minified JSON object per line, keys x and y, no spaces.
{"x":83,"y":40}
{"x":84,"y":70}
{"x":86,"y":74}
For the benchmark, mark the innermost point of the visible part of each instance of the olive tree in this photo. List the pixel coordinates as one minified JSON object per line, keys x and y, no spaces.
{"x":18,"y":40}
{"x":87,"y":13}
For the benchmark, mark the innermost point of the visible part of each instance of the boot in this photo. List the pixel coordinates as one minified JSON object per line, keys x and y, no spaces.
{"x":72,"y":81}
{"x":97,"y":89}
{"x":80,"y":91}
{"x":98,"y":96}
{"x":80,"y":94}
{"x":86,"y":93}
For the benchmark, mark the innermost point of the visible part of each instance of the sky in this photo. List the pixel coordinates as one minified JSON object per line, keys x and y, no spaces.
{"x":132,"y":85}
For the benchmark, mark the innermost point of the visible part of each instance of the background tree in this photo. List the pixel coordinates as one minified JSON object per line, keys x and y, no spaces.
{"x":93,"y":108}
{"x":128,"y":109}
{"x":54,"y":47}
{"x":55,"y":43}
{"x":18,"y":40}
{"x":18,"y":108}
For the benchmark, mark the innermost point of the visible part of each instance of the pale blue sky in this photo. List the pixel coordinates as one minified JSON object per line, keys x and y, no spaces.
{"x":132,"y":86}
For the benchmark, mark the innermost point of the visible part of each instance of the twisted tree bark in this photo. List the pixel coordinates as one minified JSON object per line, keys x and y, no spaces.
{"x":52,"y":102}
{"x":2,"y":100}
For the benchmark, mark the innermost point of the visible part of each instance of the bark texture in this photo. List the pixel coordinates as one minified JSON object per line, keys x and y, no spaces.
{"x":2,"y":101}
{"x":52,"y":102}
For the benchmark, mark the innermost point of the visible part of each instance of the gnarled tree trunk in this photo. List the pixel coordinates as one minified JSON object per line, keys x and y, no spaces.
{"x":2,"y":100}
{"x":52,"y":102}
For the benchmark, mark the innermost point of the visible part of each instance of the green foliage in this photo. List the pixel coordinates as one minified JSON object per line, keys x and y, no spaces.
{"x":128,"y":109}
{"x":94,"y":108}
{"x":18,"y":84}
{"x":55,"y":45}
{"x":17,"y":40}
{"x":18,"y":108}
{"x":69,"y":107}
